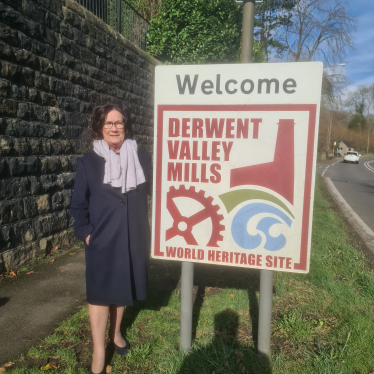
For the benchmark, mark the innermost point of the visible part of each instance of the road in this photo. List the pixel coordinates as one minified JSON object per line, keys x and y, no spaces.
{"x":355,"y":183}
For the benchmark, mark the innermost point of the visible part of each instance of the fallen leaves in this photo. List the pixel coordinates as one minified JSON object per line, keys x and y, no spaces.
{"x":108,"y":369}
{"x":12,"y":274}
{"x":54,"y":249}
{"x":53,"y":260}
{"x":54,"y":365}
{"x":9,"y":364}
{"x":46,"y":367}
{"x":2,"y":370}
{"x":30,"y":272}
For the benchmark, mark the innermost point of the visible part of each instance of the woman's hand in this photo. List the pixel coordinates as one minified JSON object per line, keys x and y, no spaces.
{"x":88,"y":240}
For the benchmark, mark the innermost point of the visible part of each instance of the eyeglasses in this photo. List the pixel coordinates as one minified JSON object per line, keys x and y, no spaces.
{"x":117,"y":125}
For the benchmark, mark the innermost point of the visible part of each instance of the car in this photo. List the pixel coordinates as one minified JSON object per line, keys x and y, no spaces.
{"x":352,"y":156}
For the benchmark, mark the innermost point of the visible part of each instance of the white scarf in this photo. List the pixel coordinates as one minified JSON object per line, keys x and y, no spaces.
{"x":123,"y":169}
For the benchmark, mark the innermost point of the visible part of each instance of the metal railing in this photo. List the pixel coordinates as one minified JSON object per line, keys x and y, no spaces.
{"x":122,"y":17}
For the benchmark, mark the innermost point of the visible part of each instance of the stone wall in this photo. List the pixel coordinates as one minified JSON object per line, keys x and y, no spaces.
{"x":57,"y":61}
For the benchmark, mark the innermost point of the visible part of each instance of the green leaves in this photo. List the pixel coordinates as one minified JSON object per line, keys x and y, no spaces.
{"x":196,"y":32}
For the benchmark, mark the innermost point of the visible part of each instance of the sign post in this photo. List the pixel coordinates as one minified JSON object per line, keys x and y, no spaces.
{"x":186,"y":306}
{"x":234,"y":167}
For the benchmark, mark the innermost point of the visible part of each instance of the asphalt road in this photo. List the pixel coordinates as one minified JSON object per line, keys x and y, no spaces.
{"x":355,"y":183}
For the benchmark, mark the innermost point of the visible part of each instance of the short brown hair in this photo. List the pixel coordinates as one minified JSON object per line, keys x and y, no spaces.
{"x":99,"y":115}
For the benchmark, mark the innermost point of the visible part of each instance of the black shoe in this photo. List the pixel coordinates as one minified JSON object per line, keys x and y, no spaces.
{"x":122,"y":351}
{"x":101,"y":372}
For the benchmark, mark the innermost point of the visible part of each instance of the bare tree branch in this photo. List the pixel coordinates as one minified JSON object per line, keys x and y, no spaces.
{"x":319,"y":29}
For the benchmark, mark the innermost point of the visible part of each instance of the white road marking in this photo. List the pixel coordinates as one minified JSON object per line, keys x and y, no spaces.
{"x":370,"y":168}
{"x":329,"y":166}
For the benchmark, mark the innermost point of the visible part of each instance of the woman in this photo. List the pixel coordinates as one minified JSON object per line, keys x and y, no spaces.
{"x":110,"y":212}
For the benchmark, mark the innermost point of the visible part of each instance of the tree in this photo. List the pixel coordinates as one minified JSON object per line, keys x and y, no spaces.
{"x":319,"y":29}
{"x":357,"y":123}
{"x":270,"y":16}
{"x":361,"y":101}
{"x":198,"y":31}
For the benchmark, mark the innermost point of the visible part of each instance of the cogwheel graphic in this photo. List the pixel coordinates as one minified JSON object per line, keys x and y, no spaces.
{"x":182,"y":225}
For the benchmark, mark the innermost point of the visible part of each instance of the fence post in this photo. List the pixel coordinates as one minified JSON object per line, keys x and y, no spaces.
{"x":119,"y":16}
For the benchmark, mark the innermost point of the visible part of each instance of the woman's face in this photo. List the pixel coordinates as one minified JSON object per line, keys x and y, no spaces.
{"x":113,"y":135}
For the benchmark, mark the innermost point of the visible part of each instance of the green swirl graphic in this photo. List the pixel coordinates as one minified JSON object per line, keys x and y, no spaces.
{"x":233,"y":198}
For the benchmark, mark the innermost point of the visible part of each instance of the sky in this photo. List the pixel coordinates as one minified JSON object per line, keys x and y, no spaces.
{"x":359,"y":68}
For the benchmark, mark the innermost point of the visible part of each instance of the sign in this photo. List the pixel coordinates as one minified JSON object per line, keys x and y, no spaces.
{"x":234,"y":164}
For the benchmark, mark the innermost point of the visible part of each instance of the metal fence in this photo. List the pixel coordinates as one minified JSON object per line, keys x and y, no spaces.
{"x":122,"y":17}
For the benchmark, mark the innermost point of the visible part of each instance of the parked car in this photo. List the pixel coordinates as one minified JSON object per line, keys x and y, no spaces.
{"x":351,"y":156}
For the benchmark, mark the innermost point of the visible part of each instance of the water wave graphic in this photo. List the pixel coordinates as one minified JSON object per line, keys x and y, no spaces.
{"x":247,"y":241}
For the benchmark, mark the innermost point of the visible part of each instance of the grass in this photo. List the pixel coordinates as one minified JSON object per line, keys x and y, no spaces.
{"x":322,"y":322}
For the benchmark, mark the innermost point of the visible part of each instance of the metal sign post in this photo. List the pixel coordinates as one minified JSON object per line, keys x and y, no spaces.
{"x":186,"y":306}
{"x":266,"y":276}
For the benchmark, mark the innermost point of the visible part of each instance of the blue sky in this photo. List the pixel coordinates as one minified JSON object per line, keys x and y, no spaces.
{"x":359,"y":67}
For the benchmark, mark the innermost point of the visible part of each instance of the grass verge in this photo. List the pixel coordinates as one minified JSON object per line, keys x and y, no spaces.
{"x":322,"y":322}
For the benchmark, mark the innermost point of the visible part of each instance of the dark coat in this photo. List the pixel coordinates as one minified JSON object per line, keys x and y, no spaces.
{"x":118,"y":254}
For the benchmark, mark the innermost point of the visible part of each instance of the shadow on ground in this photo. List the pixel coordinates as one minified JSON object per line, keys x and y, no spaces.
{"x":164,"y":279}
{"x":225,"y":354}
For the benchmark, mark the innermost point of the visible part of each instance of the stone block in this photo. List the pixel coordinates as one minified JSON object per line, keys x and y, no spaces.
{"x":71,"y":18}
{"x":30,"y":207}
{"x":50,"y":165}
{"x":4,"y":88}
{"x":41,"y":81}
{"x":4,"y":170}
{"x":52,"y":131}
{"x":42,"y":204}
{"x":45,"y":245}
{"x":38,"y":48}
{"x":11,"y":211}
{"x":54,"y":115}
{"x":88,"y":57}
{"x":53,"y":22}
{"x":13,"y":187}
{"x":21,"y":146}
{"x":19,"y":93}
{"x":35,"y":146}
{"x":19,"y":255}
{"x":6,"y":52}
{"x":33,"y":95}
{"x":35,"y":185}
{"x":6,"y":236}
{"x":61,"y":200}
{"x":6,"y":145}
{"x":23,"y":233}
{"x":32,"y":10}
{"x":40,"y":113}
{"x":8,"y":108}
{"x":65,"y":180}
{"x":8,"y":35}
{"x":46,"y":66}
{"x":28,"y":76}
{"x":48,"y":182}
{"x":23,"y":165}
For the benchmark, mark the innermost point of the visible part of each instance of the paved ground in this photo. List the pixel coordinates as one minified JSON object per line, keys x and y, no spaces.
{"x":33,"y":305}
{"x":355,"y":183}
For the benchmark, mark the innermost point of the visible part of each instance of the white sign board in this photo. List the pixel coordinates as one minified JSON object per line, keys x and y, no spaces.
{"x":234,"y":164}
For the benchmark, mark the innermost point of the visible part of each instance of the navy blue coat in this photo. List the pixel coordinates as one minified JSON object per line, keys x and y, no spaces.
{"x":118,"y":254}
